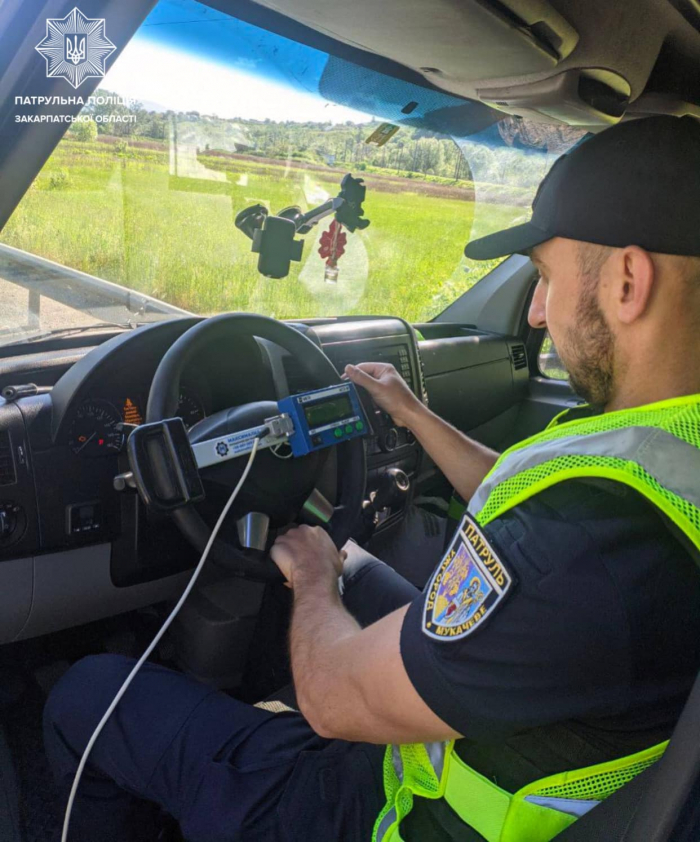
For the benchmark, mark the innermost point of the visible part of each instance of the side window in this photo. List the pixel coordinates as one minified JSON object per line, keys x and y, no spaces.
{"x":549,"y":363}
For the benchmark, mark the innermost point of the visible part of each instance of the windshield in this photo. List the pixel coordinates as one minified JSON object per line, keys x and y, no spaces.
{"x":204,"y":115}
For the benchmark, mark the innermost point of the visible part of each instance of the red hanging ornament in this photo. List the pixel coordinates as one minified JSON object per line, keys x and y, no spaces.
{"x":332,"y":248}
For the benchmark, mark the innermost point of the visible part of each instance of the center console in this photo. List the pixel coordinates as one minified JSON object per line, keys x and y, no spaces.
{"x":393,"y":454}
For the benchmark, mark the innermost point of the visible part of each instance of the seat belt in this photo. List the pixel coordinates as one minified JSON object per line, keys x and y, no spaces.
{"x":651,"y":808}
{"x":677,"y":772}
{"x":610,"y":820}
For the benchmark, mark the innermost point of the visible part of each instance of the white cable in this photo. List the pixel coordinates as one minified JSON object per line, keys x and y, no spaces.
{"x":154,"y":642}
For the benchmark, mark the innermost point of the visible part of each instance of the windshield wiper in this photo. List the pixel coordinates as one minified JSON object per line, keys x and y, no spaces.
{"x":69,"y":331}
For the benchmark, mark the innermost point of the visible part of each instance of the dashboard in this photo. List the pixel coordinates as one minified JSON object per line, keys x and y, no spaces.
{"x":72,"y":548}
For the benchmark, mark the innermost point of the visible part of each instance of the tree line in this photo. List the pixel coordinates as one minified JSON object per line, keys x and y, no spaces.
{"x":411,"y":152}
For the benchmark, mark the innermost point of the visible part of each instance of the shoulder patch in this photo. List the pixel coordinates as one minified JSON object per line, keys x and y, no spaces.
{"x":468,"y":585}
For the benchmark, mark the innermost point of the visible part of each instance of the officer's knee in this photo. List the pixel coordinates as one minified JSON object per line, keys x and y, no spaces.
{"x":82,"y":695}
{"x":357,"y":564}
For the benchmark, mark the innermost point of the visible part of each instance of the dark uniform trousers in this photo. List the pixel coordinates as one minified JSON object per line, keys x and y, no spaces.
{"x":224,"y":769}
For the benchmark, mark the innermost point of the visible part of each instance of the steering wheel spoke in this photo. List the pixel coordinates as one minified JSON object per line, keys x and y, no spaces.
{"x":253,"y":530}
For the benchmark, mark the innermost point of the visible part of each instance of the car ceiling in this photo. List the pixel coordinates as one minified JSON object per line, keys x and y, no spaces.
{"x":523,"y":55}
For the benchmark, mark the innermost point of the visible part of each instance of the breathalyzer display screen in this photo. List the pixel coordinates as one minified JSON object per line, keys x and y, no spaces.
{"x":327,"y":412}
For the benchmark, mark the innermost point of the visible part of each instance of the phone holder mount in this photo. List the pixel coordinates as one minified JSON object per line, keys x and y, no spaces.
{"x":274,"y":236}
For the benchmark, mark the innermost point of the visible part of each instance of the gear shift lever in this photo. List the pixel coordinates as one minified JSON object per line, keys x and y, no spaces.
{"x":393,"y":486}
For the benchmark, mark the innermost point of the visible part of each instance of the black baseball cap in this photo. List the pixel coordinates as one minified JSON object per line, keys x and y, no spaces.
{"x":635,"y":183}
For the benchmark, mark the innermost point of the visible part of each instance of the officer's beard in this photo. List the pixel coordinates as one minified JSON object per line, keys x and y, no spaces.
{"x":589,"y":349}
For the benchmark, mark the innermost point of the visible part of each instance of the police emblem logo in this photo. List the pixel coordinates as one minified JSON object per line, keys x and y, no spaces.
{"x":76,"y":47}
{"x":468,"y":585}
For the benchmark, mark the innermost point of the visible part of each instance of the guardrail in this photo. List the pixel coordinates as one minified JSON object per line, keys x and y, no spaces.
{"x":99,"y":299}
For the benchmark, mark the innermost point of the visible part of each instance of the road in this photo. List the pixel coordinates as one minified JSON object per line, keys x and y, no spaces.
{"x":63,"y":298}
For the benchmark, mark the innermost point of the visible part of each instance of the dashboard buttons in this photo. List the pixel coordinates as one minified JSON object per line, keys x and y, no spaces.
{"x":84,"y":518}
{"x":390,"y":439}
{"x":338,"y":433}
{"x":13,"y":522}
{"x":348,"y":429}
{"x":359,"y":426}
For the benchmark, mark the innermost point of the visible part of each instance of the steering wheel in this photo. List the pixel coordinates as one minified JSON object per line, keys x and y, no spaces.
{"x":276,"y":488}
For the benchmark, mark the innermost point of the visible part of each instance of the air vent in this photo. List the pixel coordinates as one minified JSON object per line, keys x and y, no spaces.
{"x":7,"y":463}
{"x":519,"y":356}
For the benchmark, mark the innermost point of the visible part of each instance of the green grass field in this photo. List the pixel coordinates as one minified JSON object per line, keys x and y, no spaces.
{"x":120,"y":215}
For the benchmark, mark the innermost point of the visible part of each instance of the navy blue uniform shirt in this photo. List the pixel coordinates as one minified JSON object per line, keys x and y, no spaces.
{"x":588,"y":657}
{"x":600,"y":629}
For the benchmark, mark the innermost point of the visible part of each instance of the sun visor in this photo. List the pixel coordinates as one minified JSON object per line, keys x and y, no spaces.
{"x":454,"y":46}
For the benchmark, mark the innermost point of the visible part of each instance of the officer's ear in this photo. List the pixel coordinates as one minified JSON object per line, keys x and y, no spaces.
{"x":631,"y":275}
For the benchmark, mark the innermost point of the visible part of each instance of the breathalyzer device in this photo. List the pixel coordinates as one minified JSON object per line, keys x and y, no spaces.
{"x":324,"y":417}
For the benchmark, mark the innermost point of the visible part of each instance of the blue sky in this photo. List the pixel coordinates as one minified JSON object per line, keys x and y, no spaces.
{"x":187,"y":56}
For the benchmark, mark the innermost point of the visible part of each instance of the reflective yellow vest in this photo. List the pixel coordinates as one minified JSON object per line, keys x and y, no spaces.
{"x":655,"y":449}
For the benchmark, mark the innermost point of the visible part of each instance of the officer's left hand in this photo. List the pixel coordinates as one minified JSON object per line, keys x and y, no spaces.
{"x":307,"y":551}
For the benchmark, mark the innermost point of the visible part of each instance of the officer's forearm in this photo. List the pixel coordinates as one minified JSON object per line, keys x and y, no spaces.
{"x":320,"y":623}
{"x":464,"y":461}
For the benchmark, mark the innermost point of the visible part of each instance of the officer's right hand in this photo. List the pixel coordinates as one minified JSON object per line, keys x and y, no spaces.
{"x":388,"y":390}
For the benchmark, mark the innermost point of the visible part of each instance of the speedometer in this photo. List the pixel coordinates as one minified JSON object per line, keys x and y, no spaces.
{"x":95,"y":429}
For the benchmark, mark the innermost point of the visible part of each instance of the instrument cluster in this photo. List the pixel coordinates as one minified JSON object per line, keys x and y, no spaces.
{"x":96,"y":426}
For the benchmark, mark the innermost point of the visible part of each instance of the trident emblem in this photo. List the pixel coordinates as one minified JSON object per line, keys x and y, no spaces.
{"x":75,"y":48}
{"x":75,"y":51}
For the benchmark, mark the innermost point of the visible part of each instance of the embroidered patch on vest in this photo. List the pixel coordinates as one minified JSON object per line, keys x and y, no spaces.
{"x":468,"y":585}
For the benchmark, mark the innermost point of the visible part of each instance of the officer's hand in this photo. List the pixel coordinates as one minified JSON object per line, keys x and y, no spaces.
{"x":307,"y":551}
{"x":388,"y":389}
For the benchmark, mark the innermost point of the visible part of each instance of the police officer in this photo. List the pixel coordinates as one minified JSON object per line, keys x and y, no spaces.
{"x":559,"y":634}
